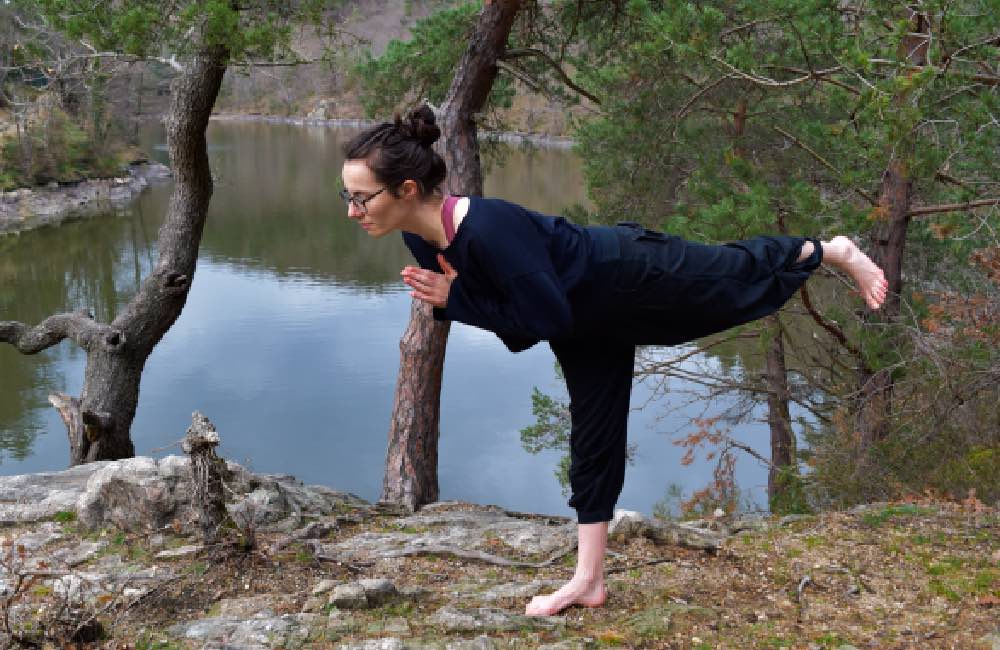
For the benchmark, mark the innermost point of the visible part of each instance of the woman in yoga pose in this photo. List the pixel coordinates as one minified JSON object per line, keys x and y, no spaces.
{"x":593,"y":293}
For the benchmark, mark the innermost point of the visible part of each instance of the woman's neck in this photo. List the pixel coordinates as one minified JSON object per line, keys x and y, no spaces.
{"x":427,"y":224}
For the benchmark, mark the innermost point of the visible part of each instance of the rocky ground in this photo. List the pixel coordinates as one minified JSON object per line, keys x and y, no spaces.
{"x":29,"y":208}
{"x":105,"y":556}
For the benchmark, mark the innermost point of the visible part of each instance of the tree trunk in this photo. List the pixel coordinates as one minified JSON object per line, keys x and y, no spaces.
{"x":894,"y":202}
{"x":114,"y":368}
{"x":411,"y":456}
{"x":778,"y":418}
{"x":99,"y":422}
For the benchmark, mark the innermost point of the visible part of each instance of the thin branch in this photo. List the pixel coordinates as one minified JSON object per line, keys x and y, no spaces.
{"x":951,"y":207}
{"x":521,"y":75}
{"x":683,"y":110}
{"x":78,"y":326}
{"x":530,"y":51}
{"x":802,"y":145}
{"x":833,"y":329}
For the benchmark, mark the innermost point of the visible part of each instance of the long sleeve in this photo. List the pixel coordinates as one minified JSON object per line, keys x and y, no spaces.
{"x":538,"y":307}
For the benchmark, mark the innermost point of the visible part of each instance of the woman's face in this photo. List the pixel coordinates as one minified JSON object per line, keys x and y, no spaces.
{"x":382,"y":212}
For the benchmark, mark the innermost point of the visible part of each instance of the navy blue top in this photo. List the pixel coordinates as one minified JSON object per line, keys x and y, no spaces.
{"x":515,"y":267}
{"x":530,"y":277}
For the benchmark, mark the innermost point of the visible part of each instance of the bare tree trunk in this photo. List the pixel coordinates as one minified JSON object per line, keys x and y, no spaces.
{"x":894,"y":202}
{"x":411,"y":457}
{"x":99,"y":423}
{"x":778,"y":418}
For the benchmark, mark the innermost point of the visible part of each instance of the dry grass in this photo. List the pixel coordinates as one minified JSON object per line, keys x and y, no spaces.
{"x":896,"y":576}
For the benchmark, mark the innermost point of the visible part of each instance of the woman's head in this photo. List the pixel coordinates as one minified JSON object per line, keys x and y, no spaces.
{"x":402,"y":150}
{"x":395,"y":159}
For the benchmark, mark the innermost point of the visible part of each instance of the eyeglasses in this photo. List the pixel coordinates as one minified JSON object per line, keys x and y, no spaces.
{"x":358,"y":202}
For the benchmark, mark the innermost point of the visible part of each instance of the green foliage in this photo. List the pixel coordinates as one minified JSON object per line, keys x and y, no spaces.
{"x":791,"y":495}
{"x":723,"y":120}
{"x":877,"y":519}
{"x":65,"y":516}
{"x":54,"y":149}
{"x":422,"y":67}
{"x":259,"y":29}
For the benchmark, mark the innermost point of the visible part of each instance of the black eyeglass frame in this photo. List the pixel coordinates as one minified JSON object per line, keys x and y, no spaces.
{"x":360,"y":204}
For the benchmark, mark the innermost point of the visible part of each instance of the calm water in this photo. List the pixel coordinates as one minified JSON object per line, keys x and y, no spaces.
{"x":289,"y":340}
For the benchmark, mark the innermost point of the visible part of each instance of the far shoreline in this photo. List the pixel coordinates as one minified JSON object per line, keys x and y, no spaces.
{"x":507,"y":137}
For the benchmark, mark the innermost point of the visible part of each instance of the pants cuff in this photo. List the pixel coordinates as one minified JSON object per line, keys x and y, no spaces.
{"x":812,"y":262}
{"x":593,"y":516}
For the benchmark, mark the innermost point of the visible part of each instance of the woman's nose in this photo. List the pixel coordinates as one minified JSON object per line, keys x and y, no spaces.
{"x":354,"y":212}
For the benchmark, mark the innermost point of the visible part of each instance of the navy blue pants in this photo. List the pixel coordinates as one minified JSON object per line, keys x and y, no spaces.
{"x":648,"y":288}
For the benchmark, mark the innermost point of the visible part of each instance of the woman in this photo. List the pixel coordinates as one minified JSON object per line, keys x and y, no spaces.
{"x":593,"y":293}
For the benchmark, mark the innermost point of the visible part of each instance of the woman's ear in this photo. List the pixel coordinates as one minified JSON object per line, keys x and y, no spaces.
{"x":409,"y":189}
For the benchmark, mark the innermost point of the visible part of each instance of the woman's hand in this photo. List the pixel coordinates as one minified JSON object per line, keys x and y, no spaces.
{"x":429,"y":286}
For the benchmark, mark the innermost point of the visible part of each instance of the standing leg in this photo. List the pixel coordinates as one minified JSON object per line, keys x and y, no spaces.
{"x":599,"y":380}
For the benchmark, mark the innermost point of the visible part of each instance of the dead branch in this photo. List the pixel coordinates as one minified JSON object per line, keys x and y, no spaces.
{"x":951,"y":207}
{"x":78,"y":326}
{"x":832,"y":328}
{"x":531,"y":51}
{"x":466,"y":554}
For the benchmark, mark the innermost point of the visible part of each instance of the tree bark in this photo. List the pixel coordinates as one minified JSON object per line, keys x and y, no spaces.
{"x":411,"y":457}
{"x":779,"y":419}
{"x":894,"y":204}
{"x":99,"y":422}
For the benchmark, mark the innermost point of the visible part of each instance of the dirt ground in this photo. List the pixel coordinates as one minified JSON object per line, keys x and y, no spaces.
{"x":903,"y":575}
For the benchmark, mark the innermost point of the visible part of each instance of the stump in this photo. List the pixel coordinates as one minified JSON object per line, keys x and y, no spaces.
{"x":208,"y":472}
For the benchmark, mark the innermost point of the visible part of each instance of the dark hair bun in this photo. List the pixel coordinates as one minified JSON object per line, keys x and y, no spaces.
{"x":420,"y":126}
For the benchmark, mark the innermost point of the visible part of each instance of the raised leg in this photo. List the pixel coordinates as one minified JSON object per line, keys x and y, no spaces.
{"x":843,"y":254}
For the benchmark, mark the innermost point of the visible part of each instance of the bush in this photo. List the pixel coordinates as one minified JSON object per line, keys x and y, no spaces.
{"x":55,"y":149}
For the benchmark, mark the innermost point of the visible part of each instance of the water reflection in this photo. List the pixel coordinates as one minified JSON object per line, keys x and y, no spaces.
{"x":289,"y":340}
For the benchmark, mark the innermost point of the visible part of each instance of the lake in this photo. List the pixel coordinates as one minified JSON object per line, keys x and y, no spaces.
{"x":289,"y":339}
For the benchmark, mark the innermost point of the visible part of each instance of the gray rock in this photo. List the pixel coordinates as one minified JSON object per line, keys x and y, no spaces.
{"x":396,"y":625}
{"x":82,"y":552}
{"x":491,"y":619}
{"x":791,"y":519}
{"x":378,"y":591}
{"x":510,"y":590}
{"x":323,"y":586}
{"x":42,"y":535}
{"x":216,"y":628}
{"x":146,"y":494}
{"x":340,"y":621}
{"x":390,"y":643}
{"x":627,"y":524}
{"x":568,"y":644}
{"x":285,"y":631}
{"x":34,"y":497}
{"x":130,"y":494}
{"x":349,"y":596}
{"x":262,"y":606}
{"x":472,"y":529}
{"x":180,"y":551}
{"x":482,"y":642}
{"x":314,"y":604}
{"x":262,"y":632}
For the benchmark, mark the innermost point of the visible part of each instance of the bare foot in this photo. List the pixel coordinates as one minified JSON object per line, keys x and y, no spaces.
{"x":578,"y":591}
{"x":844,"y":254}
